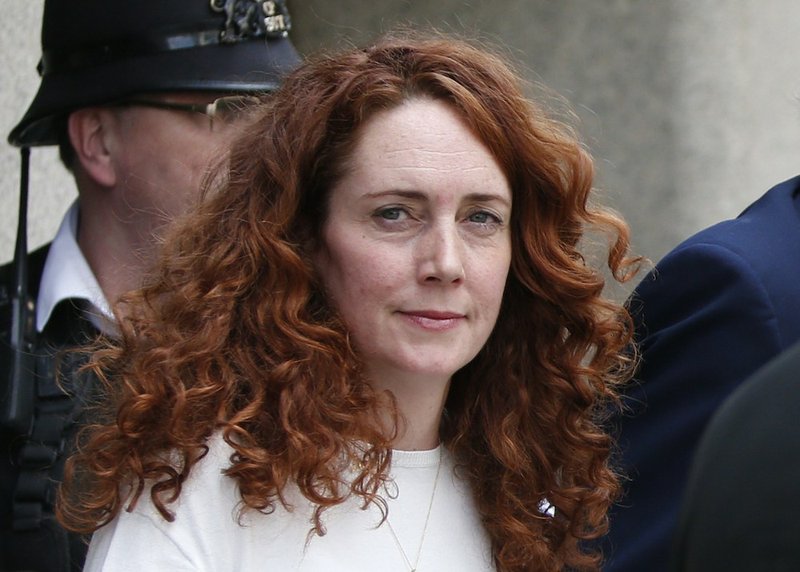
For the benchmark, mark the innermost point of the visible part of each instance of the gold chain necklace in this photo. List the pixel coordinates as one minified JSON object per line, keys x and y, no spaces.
{"x":425,"y":526}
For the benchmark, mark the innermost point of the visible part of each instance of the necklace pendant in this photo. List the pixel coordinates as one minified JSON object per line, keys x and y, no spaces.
{"x":413,"y":568}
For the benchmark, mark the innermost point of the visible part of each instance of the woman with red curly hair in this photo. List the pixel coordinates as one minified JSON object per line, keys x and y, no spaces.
{"x":376,"y":345}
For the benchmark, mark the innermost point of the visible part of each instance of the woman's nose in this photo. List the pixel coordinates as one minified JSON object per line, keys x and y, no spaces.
{"x":441,"y":255}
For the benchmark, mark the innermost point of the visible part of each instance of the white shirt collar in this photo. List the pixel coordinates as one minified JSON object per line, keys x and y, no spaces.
{"x":67,"y":275}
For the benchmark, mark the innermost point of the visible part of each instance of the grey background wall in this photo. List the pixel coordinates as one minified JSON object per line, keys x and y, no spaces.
{"x":691,"y":107}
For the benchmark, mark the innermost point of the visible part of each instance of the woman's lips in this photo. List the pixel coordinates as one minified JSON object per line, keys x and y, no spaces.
{"x":434,"y":320}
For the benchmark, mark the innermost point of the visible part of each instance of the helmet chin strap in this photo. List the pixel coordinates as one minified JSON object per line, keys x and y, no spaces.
{"x":21,"y":247}
{"x":17,"y":394}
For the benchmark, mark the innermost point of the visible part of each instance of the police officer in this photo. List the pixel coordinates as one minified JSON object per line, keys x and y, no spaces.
{"x":141,"y":97}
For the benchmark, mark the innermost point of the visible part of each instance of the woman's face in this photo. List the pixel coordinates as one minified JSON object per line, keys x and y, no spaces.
{"x":416,"y":245}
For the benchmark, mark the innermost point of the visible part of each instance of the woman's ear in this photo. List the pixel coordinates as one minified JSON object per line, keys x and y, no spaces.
{"x":89,"y":130}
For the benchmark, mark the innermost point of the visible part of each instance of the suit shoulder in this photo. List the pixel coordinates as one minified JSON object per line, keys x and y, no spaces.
{"x":771,"y":224}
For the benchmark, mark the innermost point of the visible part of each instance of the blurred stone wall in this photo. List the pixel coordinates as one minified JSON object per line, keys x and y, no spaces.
{"x":690,"y":107}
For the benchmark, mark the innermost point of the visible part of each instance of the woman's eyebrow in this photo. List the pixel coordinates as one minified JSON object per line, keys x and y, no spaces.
{"x":406,"y":194}
{"x":488,"y":197}
{"x":419,"y":195}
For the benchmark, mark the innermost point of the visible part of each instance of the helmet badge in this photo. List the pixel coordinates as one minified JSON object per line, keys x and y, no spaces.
{"x":246,"y":19}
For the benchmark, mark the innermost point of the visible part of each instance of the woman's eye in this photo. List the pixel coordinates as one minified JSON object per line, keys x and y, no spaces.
{"x":391,"y":213}
{"x":483,"y":217}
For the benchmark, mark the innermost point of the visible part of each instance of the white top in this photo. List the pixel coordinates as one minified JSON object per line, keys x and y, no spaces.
{"x":205,"y":535}
{"x":67,"y":275}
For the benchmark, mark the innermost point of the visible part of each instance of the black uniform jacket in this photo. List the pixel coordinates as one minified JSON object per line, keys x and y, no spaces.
{"x":32,"y":464}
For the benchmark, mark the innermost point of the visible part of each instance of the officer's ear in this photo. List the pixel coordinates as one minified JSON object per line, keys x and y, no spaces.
{"x":89,"y":132}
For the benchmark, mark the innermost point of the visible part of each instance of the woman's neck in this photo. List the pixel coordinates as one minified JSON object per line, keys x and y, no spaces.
{"x":420,"y":402}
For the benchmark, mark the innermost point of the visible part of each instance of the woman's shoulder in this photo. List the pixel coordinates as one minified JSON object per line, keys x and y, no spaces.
{"x":205,"y":491}
{"x":208,"y":474}
{"x":207,"y":531}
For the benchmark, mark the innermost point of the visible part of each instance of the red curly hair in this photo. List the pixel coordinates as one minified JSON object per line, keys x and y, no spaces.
{"x":233,"y":332}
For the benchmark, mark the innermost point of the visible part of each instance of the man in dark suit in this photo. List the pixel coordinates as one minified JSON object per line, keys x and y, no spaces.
{"x":714,"y":310}
{"x":141,"y":97}
{"x":742,"y":499}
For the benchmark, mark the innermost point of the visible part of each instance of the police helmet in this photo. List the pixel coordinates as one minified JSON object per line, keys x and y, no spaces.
{"x":100,"y":51}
